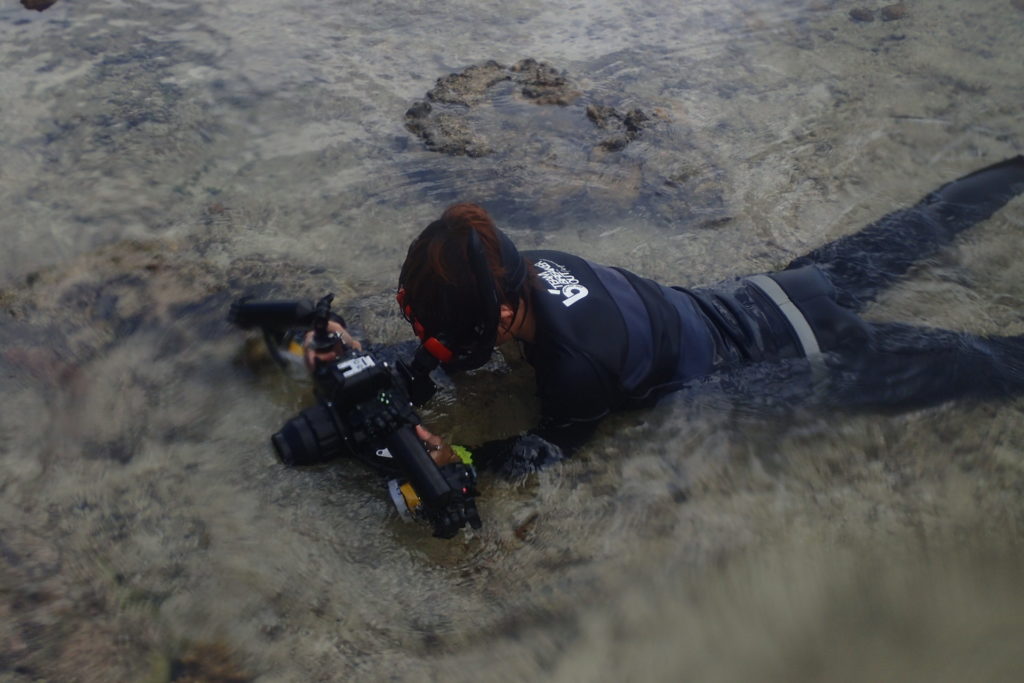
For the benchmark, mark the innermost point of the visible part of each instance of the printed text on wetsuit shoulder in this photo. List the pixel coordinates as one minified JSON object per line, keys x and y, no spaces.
{"x":561,"y":282}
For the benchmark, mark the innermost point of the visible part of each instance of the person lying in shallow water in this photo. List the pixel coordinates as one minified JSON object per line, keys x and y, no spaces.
{"x":602,"y":338}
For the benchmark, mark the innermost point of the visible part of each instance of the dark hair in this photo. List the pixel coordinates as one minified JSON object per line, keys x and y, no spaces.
{"x":440,"y":281}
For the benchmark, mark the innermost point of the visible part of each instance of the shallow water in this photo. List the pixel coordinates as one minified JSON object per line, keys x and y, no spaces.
{"x":159,"y":159}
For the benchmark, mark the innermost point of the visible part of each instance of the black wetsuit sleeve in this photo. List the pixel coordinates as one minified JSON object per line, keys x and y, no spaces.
{"x":548,"y":443}
{"x":574,"y":396}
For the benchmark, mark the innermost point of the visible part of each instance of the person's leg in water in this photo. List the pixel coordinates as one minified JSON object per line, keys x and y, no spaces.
{"x":893,"y":365}
{"x":866,"y":262}
{"x":907,"y":367}
{"x":902,"y":366}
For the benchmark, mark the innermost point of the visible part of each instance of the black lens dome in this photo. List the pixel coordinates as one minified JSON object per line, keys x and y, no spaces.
{"x":313,"y":436}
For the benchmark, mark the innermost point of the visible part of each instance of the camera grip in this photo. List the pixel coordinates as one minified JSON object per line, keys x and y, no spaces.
{"x":416,"y":463}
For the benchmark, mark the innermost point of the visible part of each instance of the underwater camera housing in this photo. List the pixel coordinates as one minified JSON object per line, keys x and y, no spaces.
{"x":365,"y":410}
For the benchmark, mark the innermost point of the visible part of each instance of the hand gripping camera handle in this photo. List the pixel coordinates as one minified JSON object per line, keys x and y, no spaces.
{"x":423,"y":472}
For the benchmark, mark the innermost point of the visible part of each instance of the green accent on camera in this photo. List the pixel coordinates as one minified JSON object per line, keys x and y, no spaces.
{"x":464,"y":454}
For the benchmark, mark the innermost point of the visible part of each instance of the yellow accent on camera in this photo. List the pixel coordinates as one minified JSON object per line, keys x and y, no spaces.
{"x":412,"y":499}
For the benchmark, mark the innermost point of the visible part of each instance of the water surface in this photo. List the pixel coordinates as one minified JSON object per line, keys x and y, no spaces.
{"x":159,"y":159}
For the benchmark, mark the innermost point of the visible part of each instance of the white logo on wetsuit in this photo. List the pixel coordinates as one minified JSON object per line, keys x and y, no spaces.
{"x":561,"y":282}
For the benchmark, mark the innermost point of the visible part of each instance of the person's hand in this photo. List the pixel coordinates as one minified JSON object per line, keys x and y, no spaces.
{"x":441,"y":452}
{"x":311,"y":356}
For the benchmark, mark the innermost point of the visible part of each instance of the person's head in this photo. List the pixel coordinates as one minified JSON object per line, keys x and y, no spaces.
{"x":461,"y":280}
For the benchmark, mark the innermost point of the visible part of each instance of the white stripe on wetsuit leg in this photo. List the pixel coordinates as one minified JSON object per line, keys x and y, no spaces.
{"x":804,"y":332}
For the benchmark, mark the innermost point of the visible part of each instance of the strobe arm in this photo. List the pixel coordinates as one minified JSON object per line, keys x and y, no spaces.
{"x":278,"y":316}
{"x":270,"y":315}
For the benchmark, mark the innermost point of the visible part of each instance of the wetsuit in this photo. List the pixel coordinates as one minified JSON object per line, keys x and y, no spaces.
{"x":607,"y":338}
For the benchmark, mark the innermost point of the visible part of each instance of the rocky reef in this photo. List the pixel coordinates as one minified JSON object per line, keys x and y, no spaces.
{"x":446,"y":118}
{"x":547,"y":141}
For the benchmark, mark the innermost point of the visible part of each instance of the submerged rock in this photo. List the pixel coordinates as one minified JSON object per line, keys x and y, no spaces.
{"x":207,"y":663}
{"x":547,"y":144}
{"x":469,"y":86}
{"x":893,"y":12}
{"x":444,"y":132}
{"x":862,"y":14}
{"x":542,"y":84}
{"x":446,"y":127}
{"x":628,"y":125}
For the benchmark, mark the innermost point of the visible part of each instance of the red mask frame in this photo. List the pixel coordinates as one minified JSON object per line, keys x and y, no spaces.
{"x":434,"y":346}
